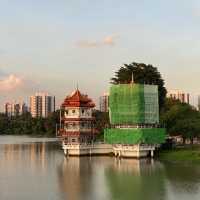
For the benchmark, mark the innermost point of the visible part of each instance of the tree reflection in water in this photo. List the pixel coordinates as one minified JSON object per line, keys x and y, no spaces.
{"x":183,"y":179}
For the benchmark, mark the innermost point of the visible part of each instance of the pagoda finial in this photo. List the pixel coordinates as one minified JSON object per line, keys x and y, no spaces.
{"x":77,"y":86}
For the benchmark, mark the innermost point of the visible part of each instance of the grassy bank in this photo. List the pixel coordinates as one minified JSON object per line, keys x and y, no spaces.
{"x":183,"y":154}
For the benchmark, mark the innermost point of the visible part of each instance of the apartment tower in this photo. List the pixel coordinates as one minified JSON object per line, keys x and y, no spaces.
{"x":15,"y":109}
{"x":42,"y":104}
{"x":179,"y":95}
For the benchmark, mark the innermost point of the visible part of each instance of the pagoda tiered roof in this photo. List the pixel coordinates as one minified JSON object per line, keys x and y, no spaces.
{"x":76,"y":99}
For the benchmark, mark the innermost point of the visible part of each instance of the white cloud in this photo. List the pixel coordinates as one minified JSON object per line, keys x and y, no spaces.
{"x":10,"y":83}
{"x":107,"y":41}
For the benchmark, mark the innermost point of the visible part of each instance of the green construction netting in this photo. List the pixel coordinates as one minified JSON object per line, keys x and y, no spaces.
{"x":135,"y":136}
{"x":133,"y":104}
{"x":151,"y":104}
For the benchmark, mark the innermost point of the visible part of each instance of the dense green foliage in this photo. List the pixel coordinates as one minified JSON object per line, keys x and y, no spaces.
{"x":102,"y":121}
{"x":142,"y":74}
{"x":26,"y":125}
{"x":186,"y":154}
{"x":181,"y":119}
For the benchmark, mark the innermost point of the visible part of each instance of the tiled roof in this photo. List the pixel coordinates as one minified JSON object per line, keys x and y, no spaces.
{"x":76,"y":99}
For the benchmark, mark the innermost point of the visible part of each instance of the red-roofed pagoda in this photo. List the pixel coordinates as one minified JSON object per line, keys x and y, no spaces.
{"x":77,"y":121}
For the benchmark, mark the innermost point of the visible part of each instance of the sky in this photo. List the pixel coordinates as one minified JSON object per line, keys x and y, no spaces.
{"x":51,"y":46}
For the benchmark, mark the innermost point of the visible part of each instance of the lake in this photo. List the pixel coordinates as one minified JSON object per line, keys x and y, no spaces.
{"x":36,"y":169}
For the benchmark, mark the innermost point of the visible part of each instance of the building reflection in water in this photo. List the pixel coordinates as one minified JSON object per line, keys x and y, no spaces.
{"x":110,"y":178}
{"x":33,"y":153}
{"x":74,"y":177}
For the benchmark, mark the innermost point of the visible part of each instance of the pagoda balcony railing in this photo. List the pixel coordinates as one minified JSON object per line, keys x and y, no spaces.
{"x":63,"y":133}
{"x":83,"y":144}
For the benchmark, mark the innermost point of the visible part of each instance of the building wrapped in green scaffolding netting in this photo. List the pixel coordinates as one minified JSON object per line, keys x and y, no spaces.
{"x":134,"y":114}
{"x":134,"y":104}
{"x":135,"y":136}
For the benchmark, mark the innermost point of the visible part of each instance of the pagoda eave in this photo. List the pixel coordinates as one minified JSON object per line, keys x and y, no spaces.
{"x":75,"y":105}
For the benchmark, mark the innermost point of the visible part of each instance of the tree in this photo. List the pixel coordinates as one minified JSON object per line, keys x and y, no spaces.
{"x":51,"y":121}
{"x":26,"y":125}
{"x":3,"y":123}
{"x":181,"y":119}
{"x":101,"y":121}
{"x":142,"y":73}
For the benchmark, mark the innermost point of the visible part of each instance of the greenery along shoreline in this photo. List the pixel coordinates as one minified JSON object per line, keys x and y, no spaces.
{"x":26,"y":125}
{"x":185,"y":154}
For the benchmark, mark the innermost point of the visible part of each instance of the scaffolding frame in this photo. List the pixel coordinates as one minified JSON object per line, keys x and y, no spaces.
{"x":133,"y":104}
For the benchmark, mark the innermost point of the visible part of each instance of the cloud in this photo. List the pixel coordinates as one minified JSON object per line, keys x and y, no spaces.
{"x":110,"y":40}
{"x":10,"y":82}
{"x":107,"y":41}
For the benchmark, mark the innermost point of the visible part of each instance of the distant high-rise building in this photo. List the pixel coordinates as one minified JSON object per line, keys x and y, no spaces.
{"x":42,"y":104}
{"x":103,"y":102}
{"x":15,"y":109}
{"x":179,"y":95}
{"x":8,"y":109}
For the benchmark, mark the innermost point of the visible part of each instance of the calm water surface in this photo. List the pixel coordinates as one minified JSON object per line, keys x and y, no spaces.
{"x":36,"y":169}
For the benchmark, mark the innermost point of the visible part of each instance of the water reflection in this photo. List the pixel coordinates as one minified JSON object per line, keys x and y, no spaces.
{"x":27,"y":171}
{"x":84,"y":178}
{"x":39,"y":170}
{"x":136,"y":179}
{"x":35,"y":154}
{"x":183,"y":180}
{"x":109,"y":178}
{"x":74,"y":177}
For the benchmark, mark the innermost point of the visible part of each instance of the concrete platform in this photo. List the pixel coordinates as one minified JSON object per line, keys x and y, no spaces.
{"x":129,"y":151}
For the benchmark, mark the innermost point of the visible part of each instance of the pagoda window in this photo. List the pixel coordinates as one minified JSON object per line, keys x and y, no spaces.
{"x":70,"y":126}
{"x":66,"y":140}
{"x":83,"y":124}
{"x":88,"y":112}
{"x":73,"y":140}
{"x":73,"y":111}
